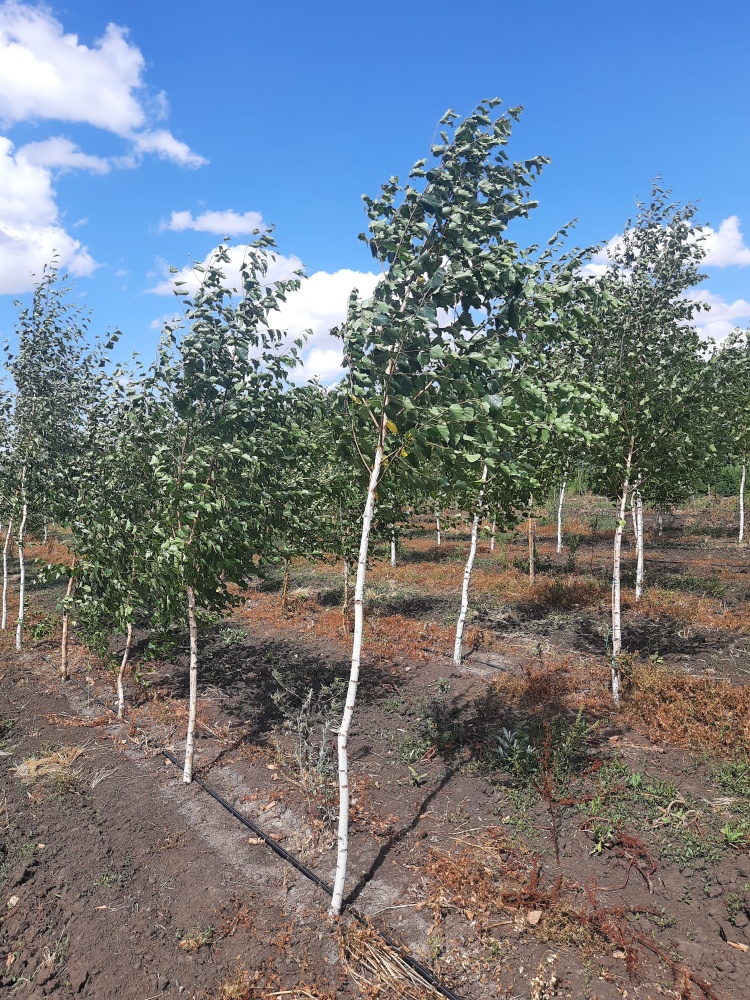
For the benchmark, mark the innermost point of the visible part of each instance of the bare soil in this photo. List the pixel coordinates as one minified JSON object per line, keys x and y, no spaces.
{"x":508,"y":828}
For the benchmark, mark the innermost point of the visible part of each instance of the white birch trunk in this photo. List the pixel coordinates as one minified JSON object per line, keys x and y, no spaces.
{"x":492,"y":536}
{"x":8,"y":536}
{"x":351,"y":694}
{"x":22,"y":569}
{"x":345,"y":604}
{"x":532,"y":545}
{"x":742,"y":501}
{"x":634,"y":518}
{"x":559,"y":516}
{"x":638,"y":507}
{"x":45,"y":529}
{"x":437,"y":524}
{"x":660,"y":520}
{"x":393,"y":546}
{"x":616,"y":595}
{"x":121,"y":672}
{"x":457,"y":648}
{"x":187,"y":776}
{"x":65,"y":630}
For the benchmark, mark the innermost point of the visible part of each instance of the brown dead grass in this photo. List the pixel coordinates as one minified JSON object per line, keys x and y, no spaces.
{"x":688,"y":711}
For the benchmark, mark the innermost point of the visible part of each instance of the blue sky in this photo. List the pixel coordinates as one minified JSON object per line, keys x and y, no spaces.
{"x":135,"y":135}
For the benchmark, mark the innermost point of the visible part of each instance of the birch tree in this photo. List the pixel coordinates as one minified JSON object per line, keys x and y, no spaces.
{"x":647,"y":361}
{"x":439,"y":323}
{"x":732,"y":377}
{"x":216,"y":415}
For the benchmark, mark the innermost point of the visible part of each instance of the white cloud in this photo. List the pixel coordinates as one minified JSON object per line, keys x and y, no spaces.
{"x":278,"y":268}
{"x":29,"y":227}
{"x":48,"y":74}
{"x":723,"y":316}
{"x":323,"y":363}
{"x":166,"y":147}
{"x":45,"y":73}
{"x":61,"y":154}
{"x":227,"y":223}
{"x":319,"y":304}
{"x":726,"y":247}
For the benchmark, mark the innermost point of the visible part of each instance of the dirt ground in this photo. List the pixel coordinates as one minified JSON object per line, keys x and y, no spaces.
{"x":510,"y":830}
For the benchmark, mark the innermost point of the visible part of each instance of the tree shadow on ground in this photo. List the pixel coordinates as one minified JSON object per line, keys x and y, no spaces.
{"x":248,"y":672}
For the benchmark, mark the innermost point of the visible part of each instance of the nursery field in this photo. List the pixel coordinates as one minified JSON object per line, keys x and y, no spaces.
{"x":509,"y":830}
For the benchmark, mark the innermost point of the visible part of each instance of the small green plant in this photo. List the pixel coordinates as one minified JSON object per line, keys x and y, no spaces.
{"x":515,"y":754}
{"x":735,"y":903}
{"x":443,"y":685}
{"x":232,"y":636}
{"x":435,"y":946}
{"x":43,"y":628}
{"x":733,"y":777}
{"x":193,"y":941}
{"x":736,"y":834}
{"x":417,"y":779}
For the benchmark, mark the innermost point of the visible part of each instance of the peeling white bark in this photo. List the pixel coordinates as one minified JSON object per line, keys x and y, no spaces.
{"x":492,"y":536}
{"x":559,"y":516}
{"x":437,"y":524}
{"x":65,"y":630}
{"x":742,"y":501}
{"x":393,"y":545}
{"x":457,"y":648}
{"x":616,"y":588}
{"x":351,"y":694}
{"x":8,"y":536}
{"x":187,"y":776}
{"x":638,"y":508}
{"x":121,"y":672}
{"x":22,"y":583}
{"x":532,"y":544}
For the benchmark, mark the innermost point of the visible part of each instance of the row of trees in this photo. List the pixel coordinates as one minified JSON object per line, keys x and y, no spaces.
{"x":477,"y":375}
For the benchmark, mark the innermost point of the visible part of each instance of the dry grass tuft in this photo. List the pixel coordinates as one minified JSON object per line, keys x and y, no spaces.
{"x":55,"y":767}
{"x":377,"y":966}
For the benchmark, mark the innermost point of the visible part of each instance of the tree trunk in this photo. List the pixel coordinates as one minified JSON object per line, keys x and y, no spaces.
{"x":345,"y":605}
{"x":437,"y":523}
{"x":660,"y":520}
{"x":121,"y":672}
{"x":286,"y":584}
{"x":187,"y":776}
{"x":8,"y":536}
{"x":532,"y":544}
{"x":65,"y":629}
{"x":457,"y":648}
{"x":493,"y":533}
{"x":45,"y":529}
{"x":742,"y":501}
{"x":638,"y":507}
{"x":559,"y":516}
{"x":393,"y":545}
{"x":616,"y":585}
{"x":22,"y":569}
{"x":351,"y":694}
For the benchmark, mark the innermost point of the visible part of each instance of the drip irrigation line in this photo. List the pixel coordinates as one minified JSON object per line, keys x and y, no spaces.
{"x":429,"y":977}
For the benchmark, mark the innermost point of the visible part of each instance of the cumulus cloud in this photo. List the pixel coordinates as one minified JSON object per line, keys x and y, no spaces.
{"x":318,"y":305}
{"x":47,"y":74}
{"x":722,"y":317}
{"x":725,"y":247}
{"x":59,"y":153}
{"x":227,"y":223}
{"x":166,"y":147}
{"x":29,"y":226}
{"x":279,"y":267}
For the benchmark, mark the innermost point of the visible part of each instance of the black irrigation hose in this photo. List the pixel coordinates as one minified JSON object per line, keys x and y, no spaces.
{"x":429,"y":977}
